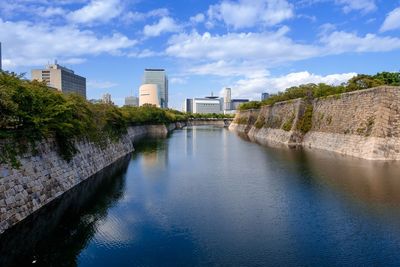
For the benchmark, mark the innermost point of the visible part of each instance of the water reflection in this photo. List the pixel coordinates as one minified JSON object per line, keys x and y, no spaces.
{"x":204,"y":197}
{"x":56,"y":234}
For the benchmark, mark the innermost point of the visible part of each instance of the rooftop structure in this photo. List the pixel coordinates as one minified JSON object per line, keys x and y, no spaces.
{"x":61,"y":78}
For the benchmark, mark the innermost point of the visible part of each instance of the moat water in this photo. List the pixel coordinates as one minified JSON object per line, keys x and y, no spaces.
{"x":205,"y":197}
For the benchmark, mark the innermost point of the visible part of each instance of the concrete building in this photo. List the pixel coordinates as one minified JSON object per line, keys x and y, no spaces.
{"x":106,"y":99}
{"x":132,"y":101}
{"x":61,"y":78}
{"x":207,"y":105}
{"x":158,"y":77}
{"x":236,"y":103}
{"x":204,"y":105}
{"x":149,"y":94}
{"x":264,"y":96}
{"x":188,"y":105}
{"x":227,"y":99}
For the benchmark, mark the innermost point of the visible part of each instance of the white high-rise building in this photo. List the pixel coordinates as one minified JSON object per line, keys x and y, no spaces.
{"x":227,"y":99}
{"x":158,"y":77}
{"x":106,"y":99}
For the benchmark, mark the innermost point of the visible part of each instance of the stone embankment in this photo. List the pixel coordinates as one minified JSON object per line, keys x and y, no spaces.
{"x":364,"y":124}
{"x":45,"y":176}
{"x":211,"y":121}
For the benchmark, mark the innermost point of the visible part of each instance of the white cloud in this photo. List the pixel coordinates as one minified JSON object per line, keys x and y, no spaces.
{"x":96,"y":11}
{"x":341,"y":42}
{"x":28,"y":44}
{"x":93,"y":84}
{"x":177,"y":80}
{"x":392,"y":21}
{"x":207,"y":54}
{"x":365,"y":6}
{"x":52,"y":11}
{"x":145,"y":53}
{"x":198,"y":18}
{"x":272,"y":47}
{"x":254,"y":86}
{"x":130,"y":16}
{"x":165,"y":24}
{"x":249,"y":13}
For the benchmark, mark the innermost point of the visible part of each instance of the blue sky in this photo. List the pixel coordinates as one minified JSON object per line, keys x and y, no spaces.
{"x":249,"y":45}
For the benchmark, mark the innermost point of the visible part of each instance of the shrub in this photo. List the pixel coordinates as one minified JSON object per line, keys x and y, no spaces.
{"x":304,"y":124}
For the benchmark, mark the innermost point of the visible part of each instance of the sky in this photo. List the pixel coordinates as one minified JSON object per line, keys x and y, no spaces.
{"x":252,"y":46}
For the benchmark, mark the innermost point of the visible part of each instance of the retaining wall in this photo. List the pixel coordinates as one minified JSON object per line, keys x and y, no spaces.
{"x":45,"y":176}
{"x":364,"y":124}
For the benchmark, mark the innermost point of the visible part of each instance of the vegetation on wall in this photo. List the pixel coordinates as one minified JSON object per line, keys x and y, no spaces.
{"x":304,"y":123}
{"x":30,"y":111}
{"x":311,"y":91}
{"x":287,"y":126}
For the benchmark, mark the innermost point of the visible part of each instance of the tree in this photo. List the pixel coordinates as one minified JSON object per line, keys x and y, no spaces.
{"x":363,"y":81}
{"x":388,"y":78}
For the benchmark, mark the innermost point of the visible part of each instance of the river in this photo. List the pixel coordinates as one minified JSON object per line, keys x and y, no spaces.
{"x":205,"y":197}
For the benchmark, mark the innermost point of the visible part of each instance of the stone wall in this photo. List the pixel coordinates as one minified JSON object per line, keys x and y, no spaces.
{"x":244,"y":121}
{"x":45,"y":176}
{"x":213,"y":122}
{"x":363,"y":124}
{"x":277,"y":123}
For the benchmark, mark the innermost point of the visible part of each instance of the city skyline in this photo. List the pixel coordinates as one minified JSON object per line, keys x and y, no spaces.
{"x":249,"y":46}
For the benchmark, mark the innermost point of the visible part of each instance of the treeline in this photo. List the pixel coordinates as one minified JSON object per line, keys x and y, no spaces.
{"x":312,"y":90}
{"x":31,"y":111}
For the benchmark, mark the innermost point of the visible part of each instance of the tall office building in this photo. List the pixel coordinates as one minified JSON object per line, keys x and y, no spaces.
{"x":237,"y":102}
{"x":149,"y":94}
{"x":227,"y":99}
{"x":106,"y":99}
{"x":61,"y":78}
{"x":188,"y":105}
{"x":264,"y":96}
{"x":131,"y":101}
{"x":159,"y":77}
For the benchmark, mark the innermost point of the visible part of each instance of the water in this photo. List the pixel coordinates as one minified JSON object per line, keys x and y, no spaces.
{"x":205,"y":197}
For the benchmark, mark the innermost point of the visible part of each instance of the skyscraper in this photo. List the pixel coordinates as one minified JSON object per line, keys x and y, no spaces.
{"x":227,"y":99}
{"x":264,"y":96}
{"x":106,"y":99}
{"x":61,"y":78}
{"x":158,"y":77}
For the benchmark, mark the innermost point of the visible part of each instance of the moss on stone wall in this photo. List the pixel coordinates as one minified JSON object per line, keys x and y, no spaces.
{"x":260,"y":122}
{"x":304,"y":124}
{"x":287,"y":126}
{"x":241,"y":120}
{"x":274,"y":122}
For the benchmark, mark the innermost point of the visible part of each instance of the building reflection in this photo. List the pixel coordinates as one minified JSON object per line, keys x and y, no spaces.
{"x":154,"y":154}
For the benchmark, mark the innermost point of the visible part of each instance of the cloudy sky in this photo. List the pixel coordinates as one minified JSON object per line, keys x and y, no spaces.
{"x":250,"y":45}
